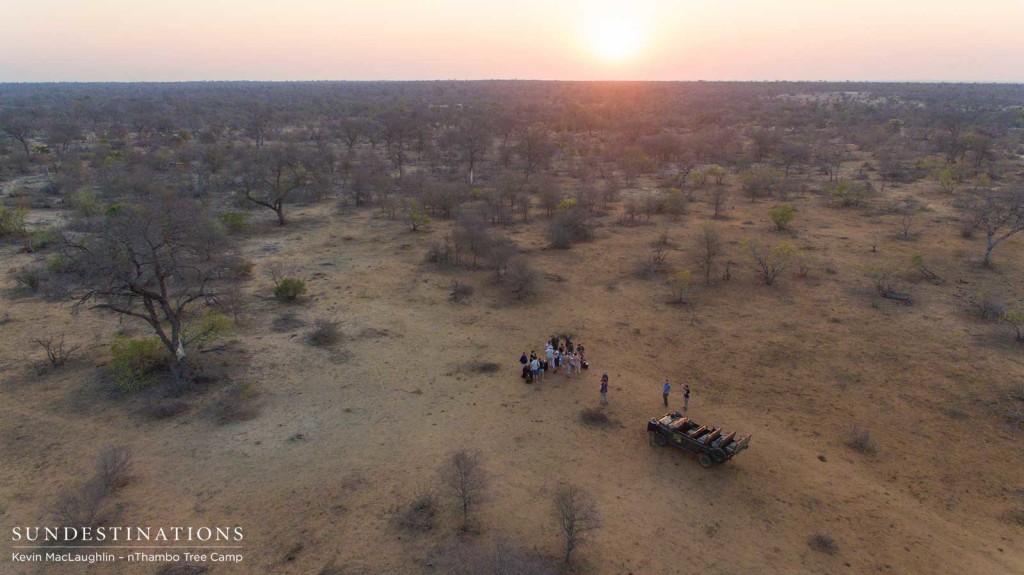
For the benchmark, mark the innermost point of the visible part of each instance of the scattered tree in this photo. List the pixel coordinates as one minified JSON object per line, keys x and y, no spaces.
{"x":771,"y":261}
{"x":577,"y":515}
{"x":709,"y":246}
{"x":466,"y":479}
{"x":160,"y":261}
{"x":999,"y":213}
{"x":782,"y":214}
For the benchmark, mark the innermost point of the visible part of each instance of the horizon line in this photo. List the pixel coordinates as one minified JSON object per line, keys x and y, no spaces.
{"x":548,"y":80}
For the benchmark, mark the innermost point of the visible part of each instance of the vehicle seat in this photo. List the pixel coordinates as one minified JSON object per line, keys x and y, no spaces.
{"x":712,"y":436}
{"x":679,"y":423}
{"x":724,"y":440}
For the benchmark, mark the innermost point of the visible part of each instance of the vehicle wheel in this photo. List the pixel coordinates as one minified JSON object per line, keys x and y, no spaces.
{"x":718,"y":454}
{"x":659,"y":439}
{"x":704,"y":460}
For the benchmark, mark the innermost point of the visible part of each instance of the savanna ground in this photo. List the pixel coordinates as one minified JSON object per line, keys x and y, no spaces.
{"x":347,"y":434}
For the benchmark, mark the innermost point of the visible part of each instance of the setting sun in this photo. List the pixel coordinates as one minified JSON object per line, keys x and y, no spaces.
{"x":615,"y":38}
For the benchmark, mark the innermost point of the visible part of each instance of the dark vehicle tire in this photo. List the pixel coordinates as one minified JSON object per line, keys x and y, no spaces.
{"x":718,"y":455}
{"x":660,"y":439}
{"x":704,"y":460}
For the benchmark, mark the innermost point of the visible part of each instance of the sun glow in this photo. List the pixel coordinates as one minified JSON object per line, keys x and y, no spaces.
{"x":615,"y":38}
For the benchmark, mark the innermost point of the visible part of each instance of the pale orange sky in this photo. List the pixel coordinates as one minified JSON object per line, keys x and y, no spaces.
{"x":121,"y":40}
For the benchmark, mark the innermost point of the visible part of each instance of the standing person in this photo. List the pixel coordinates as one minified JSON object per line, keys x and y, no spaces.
{"x":567,"y":364}
{"x":568,"y":344}
{"x":535,"y":368}
{"x":686,"y":397}
{"x":577,"y":363}
{"x":523,"y":360}
{"x":664,"y":392}
{"x":604,"y":389}
{"x":550,"y":353}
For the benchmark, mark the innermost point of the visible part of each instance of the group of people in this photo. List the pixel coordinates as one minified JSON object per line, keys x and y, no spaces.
{"x":560,"y":353}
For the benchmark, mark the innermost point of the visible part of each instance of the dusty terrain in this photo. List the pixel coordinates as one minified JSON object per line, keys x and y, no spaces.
{"x":347,"y":434}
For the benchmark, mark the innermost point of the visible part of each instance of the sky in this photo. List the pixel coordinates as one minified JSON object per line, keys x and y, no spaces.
{"x":872,"y":40}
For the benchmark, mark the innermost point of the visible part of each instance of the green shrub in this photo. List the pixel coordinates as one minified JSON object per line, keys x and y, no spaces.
{"x":86,"y":203}
{"x":135,"y":362}
{"x":240,"y":268}
{"x":12,"y":221}
{"x":207,"y":327}
{"x":289,"y":289}
{"x":782,"y":214}
{"x":846,"y":194}
{"x":44,"y":238}
{"x":235,"y":222}
{"x":415,"y":216}
{"x":58,"y":264}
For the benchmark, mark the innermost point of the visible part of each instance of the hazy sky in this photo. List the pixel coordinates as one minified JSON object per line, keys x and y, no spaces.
{"x":139,"y":40}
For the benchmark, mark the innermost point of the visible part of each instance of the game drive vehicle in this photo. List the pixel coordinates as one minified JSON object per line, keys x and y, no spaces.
{"x":712,"y":445}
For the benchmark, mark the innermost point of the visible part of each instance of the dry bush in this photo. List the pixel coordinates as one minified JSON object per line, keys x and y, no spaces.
{"x":823,"y":542}
{"x":568,"y":227}
{"x":419,"y":514}
{"x":86,"y":506}
{"x":654,"y":263}
{"x":460,"y":291}
{"x":165,"y":409}
{"x":1009,"y":406}
{"x":985,"y":306}
{"x":56,"y":352}
{"x":520,"y":281}
{"x":859,"y":439}
{"x":29,"y":278}
{"x":325,"y":334}
{"x":237,"y":403}
{"x":502,"y":557}
{"x":442,"y":253}
{"x":113,"y":468}
{"x":463,"y":475}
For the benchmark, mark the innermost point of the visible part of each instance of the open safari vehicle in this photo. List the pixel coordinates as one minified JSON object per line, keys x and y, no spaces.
{"x":712,"y":445}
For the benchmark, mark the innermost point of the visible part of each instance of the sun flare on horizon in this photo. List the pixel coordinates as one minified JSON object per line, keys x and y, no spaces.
{"x":615,"y":38}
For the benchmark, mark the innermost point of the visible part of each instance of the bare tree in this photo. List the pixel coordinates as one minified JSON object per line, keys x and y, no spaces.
{"x":718,"y":196}
{"x":464,"y":476}
{"x":268,"y":178}
{"x":19,"y":124}
{"x":1000,"y":213}
{"x":473,"y":138}
{"x":709,"y":245}
{"x":157,"y":261}
{"x":535,"y":149}
{"x":577,"y":515}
